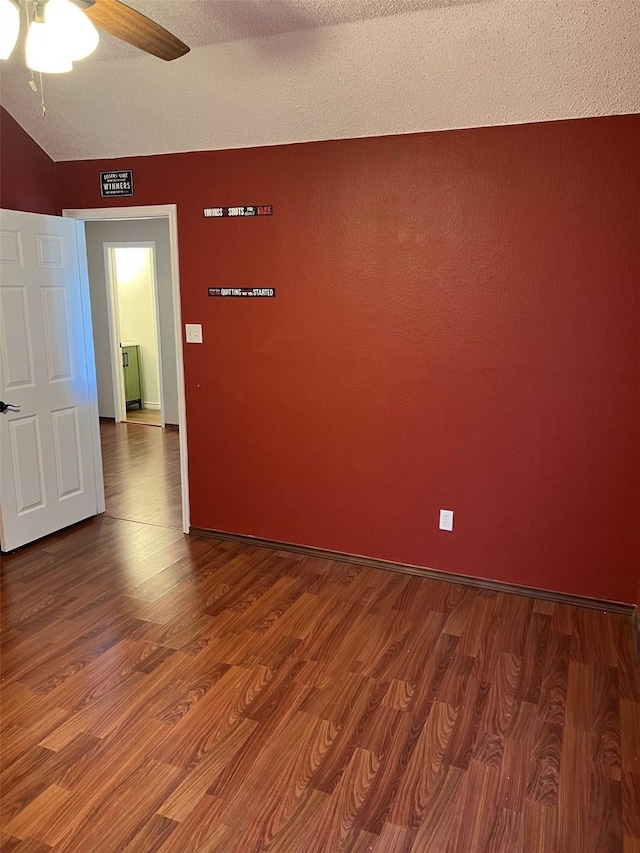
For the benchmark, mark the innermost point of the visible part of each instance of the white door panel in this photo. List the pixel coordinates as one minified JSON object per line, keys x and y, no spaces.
{"x":57,"y":334}
{"x":47,"y":452}
{"x":16,"y":349}
{"x":26,"y":463}
{"x":11,"y":248}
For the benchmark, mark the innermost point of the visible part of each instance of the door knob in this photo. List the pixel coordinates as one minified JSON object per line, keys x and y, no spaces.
{"x":8,"y":407}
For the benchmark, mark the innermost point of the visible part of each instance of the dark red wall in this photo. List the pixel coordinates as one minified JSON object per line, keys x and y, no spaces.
{"x":457,"y":325}
{"x":27,"y":173}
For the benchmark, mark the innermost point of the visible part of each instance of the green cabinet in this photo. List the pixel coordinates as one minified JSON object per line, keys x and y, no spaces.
{"x":132,"y":374}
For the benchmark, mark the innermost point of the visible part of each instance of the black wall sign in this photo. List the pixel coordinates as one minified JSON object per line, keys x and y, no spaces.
{"x":241,"y":291}
{"x":247,"y":210}
{"x":116,"y":183}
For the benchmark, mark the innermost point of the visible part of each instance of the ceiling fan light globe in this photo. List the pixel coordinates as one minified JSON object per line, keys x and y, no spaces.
{"x":9,"y":27}
{"x":45,"y":53}
{"x":72,"y":27}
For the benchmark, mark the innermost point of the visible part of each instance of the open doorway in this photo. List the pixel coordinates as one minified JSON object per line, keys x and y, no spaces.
{"x":135,"y":307}
{"x":135,"y":333}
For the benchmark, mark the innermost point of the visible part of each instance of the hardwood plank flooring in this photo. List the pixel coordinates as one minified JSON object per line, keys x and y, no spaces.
{"x":141,"y":473}
{"x":188,"y":695}
{"x":150,"y":417}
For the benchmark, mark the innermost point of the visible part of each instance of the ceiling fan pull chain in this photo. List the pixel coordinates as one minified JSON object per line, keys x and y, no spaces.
{"x":32,"y":82}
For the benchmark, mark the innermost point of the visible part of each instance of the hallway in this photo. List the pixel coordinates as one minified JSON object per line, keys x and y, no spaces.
{"x":141,"y":473}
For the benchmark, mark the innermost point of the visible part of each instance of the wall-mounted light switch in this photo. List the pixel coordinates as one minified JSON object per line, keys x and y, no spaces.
{"x":193,"y":333}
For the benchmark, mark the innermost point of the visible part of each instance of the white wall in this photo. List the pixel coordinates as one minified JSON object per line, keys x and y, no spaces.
{"x":137,"y":314}
{"x":131,"y":231}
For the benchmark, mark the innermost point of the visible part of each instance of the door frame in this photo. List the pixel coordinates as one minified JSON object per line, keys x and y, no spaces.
{"x":170,"y":213}
{"x":113,"y":311}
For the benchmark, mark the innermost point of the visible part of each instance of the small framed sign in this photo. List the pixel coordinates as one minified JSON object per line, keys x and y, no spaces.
{"x":116,"y":183}
{"x":245,"y":210}
{"x":241,"y":291}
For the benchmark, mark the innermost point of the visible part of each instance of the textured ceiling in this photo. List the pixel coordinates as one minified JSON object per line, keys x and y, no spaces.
{"x":263,"y":72}
{"x":203,"y":22}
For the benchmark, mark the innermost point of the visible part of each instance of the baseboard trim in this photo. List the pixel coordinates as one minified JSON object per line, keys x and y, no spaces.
{"x":154,"y":407}
{"x":176,"y":427}
{"x":104,"y":420}
{"x":420,"y":571}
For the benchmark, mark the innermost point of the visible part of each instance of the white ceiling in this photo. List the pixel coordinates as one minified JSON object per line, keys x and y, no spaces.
{"x":263,"y":72}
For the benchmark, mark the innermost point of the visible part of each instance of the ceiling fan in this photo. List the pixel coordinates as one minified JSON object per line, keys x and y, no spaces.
{"x":131,"y":26}
{"x":60,"y":31}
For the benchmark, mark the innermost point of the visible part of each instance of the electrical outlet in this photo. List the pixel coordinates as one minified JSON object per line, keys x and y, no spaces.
{"x":446,"y":519}
{"x":193,"y":333}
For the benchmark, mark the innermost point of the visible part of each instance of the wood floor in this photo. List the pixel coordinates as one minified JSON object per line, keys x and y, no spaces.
{"x":151,"y":417}
{"x":141,"y":473}
{"x":177,"y":694}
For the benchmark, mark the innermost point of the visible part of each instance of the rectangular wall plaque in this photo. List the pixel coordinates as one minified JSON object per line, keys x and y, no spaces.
{"x":116,"y":183}
{"x":241,"y":291}
{"x":247,"y":210}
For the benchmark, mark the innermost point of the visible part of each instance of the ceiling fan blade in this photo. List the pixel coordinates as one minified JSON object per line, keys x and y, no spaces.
{"x":125,"y":23}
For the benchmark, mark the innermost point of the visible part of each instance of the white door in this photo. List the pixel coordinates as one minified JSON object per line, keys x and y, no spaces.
{"x":48,"y":452}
